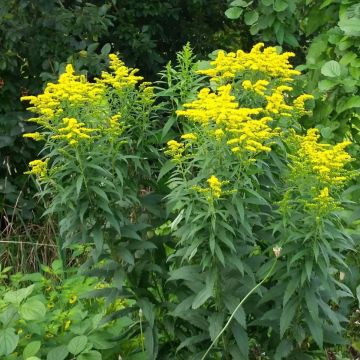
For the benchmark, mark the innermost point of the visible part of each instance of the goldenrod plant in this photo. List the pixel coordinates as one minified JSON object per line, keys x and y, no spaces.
{"x":234,"y":246}
{"x":249,"y":179}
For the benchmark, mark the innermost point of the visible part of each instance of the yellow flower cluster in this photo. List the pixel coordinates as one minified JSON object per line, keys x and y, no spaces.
{"x":175,"y":150}
{"x":189,"y":136}
{"x":259,"y":87}
{"x":220,"y":113}
{"x":325,"y":161}
{"x":276,"y":101}
{"x":323,"y":204}
{"x":215,"y":186}
{"x":74,"y":90}
{"x":214,"y":189}
{"x":73,"y":131}
{"x":299,"y":104}
{"x":38,"y":168}
{"x":267,"y":61}
{"x":35,"y":136}
{"x":121,"y":75}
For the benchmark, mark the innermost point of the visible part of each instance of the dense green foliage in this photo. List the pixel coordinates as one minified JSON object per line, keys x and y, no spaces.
{"x":213,"y":214}
{"x":39,"y":38}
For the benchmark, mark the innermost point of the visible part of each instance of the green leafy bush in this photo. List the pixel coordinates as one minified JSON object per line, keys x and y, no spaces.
{"x":234,"y":246}
{"x":50,"y":316}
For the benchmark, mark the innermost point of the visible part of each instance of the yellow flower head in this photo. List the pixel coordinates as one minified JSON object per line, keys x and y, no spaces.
{"x":189,"y":136}
{"x":121,"y":75}
{"x":73,"y":131}
{"x":175,"y":150}
{"x":266,"y":61}
{"x":35,"y":136}
{"x":38,"y":168}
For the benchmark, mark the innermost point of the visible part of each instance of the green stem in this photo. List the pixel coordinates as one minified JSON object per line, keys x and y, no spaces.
{"x":238,"y":307}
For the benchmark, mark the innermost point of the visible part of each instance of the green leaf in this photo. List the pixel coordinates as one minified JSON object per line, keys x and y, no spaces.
{"x":326,"y":84}
{"x":311,"y":303}
{"x":358,"y":294}
{"x":16,"y":297}
{"x":290,"y":289}
{"x":148,"y":310}
{"x":280,"y":5}
{"x":287,"y":316}
{"x":33,"y":309}
{"x":207,"y":292}
{"x":283,"y":349}
{"x":105,"y":50}
{"x":168,"y":166}
{"x":190,"y":273}
{"x":77,"y":344}
{"x":352,"y":102}
{"x":316,"y":329}
{"x":58,"y":353}
{"x":268,"y":2}
{"x":31,"y":349}
{"x":241,"y":3}
{"x":331,"y":69}
{"x":90,"y":355}
{"x":350,"y":27}
{"x":233,"y":12}
{"x":8,"y":341}
{"x":251,"y":17}
{"x":216,"y":321}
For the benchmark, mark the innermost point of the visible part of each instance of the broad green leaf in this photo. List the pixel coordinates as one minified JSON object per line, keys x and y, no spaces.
{"x":241,"y":3}
{"x":326,"y":84}
{"x":58,"y":353}
{"x":32,"y":358}
{"x":251,"y":17}
{"x":280,"y":5}
{"x":331,"y":69}
{"x":31,"y":349}
{"x":90,"y":355}
{"x":350,"y":103}
{"x":358,"y":294}
{"x":350,"y":27}
{"x":77,"y":344}
{"x":233,"y":12}
{"x":16,"y":297}
{"x":33,"y":309}
{"x":8,"y":341}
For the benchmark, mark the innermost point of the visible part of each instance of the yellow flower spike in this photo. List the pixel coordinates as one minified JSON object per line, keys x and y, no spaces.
{"x":121,"y":76}
{"x":73,"y":131}
{"x":175,"y":150}
{"x":326,"y":162}
{"x":189,"y":136}
{"x":264,"y":60}
{"x":35,"y":136}
{"x":38,"y":168}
